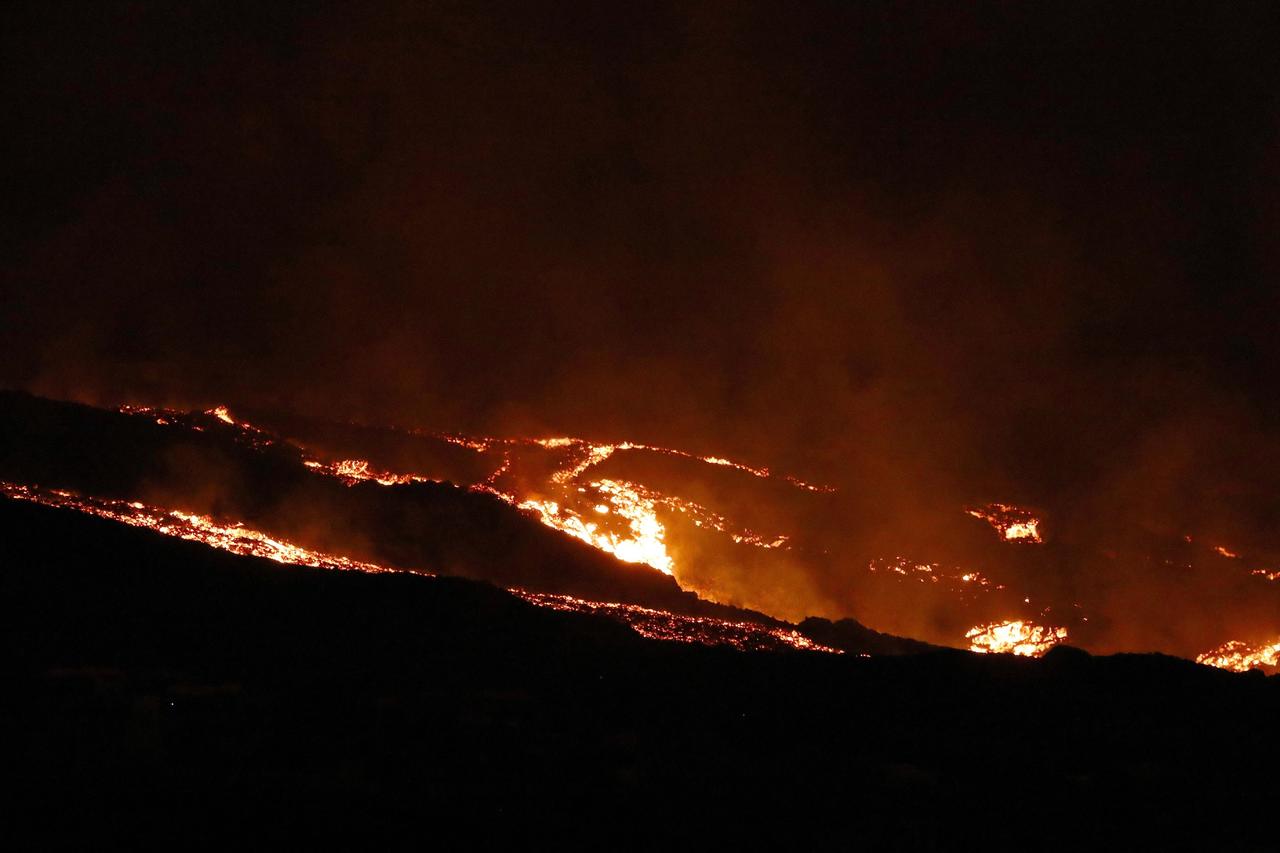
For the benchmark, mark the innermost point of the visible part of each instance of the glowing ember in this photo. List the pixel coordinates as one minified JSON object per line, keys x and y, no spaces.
{"x":480,"y":445}
{"x":555,"y":442}
{"x":958,"y":580}
{"x":1016,"y":637}
{"x":661,"y":625}
{"x":245,"y":432}
{"x":811,"y":487}
{"x":1231,"y":555}
{"x":589,"y":455}
{"x":352,"y":471}
{"x":1271,"y":576}
{"x":717,"y":460}
{"x":1242,"y":657}
{"x":1013,"y":523}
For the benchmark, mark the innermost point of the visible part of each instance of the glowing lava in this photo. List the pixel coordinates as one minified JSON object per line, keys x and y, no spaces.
{"x":631,"y":530}
{"x":232,"y":536}
{"x":1242,"y":657}
{"x":352,"y":471}
{"x":958,"y":580}
{"x":644,"y":539}
{"x":1016,"y":637}
{"x":236,"y":538}
{"x":661,"y":625}
{"x":1013,"y":523}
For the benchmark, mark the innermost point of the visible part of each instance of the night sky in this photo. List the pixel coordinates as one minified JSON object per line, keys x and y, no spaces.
{"x":1012,"y":251}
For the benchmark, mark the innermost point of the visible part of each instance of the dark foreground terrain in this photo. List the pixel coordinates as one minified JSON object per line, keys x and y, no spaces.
{"x":159,"y":688}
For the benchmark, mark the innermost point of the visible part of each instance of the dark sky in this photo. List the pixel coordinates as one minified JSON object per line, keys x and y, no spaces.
{"x":1019,"y":248}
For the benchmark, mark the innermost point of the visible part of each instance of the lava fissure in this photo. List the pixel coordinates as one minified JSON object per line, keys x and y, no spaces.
{"x":237,"y":538}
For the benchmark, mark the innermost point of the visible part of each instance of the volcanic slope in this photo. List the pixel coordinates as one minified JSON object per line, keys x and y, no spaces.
{"x":203,"y":465}
{"x":163,"y":686}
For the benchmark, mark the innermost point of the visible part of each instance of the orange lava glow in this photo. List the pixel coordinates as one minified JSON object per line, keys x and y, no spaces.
{"x":964,"y":583}
{"x":1015,"y":637}
{"x":643,"y":541}
{"x":661,"y":625}
{"x":236,"y":538}
{"x":1242,"y":657}
{"x":352,"y":471}
{"x":633,"y":530}
{"x":227,"y":536}
{"x":1231,"y":555}
{"x":1013,"y":523}
{"x":643,"y":538}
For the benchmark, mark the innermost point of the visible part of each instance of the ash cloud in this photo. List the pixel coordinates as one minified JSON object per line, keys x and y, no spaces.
{"x":932,"y":255}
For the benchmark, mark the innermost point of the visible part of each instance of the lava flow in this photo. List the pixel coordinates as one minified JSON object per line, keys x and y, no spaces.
{"x":1016,"y":637}
{"x":616,"y":516}
{"x":352,"y":471}
{"x":236,"y":538}
{"x":644,"y":541}
{"x":228,"y":536}
{"x":1242,"y":657}
{"x":958,"y":580}
{"x":1013,"y":523}
{"x":661,"y":625}
{"x":565,"y":484}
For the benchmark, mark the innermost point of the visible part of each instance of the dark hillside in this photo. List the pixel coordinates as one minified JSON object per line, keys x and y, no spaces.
{"x":158,"y":683}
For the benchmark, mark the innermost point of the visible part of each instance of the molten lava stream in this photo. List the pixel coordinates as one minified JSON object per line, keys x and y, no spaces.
{"x":614,"y":516}
{"x":1242,"y":657}
{"x":663,"y":625}
{"x":1017,"y":637}
{"x":1014,"y":524}
{"x":238,"y":539}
